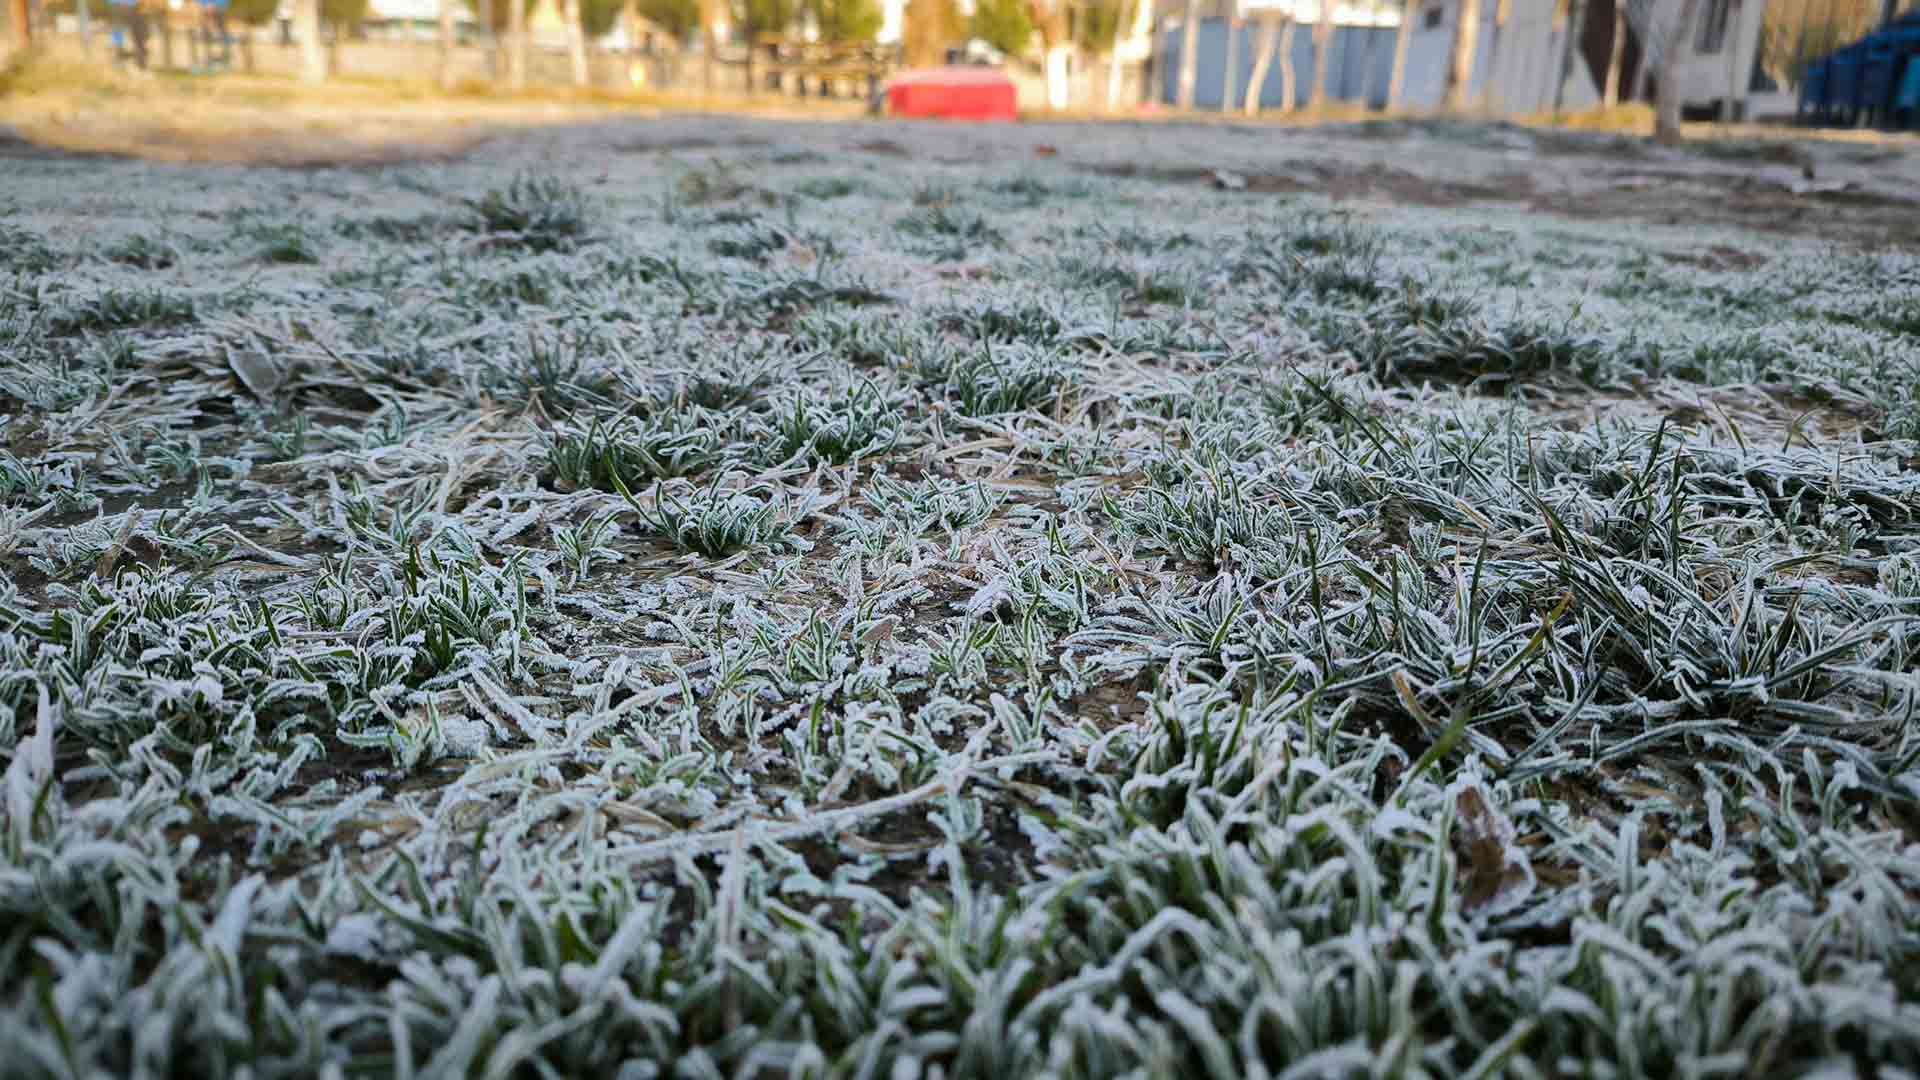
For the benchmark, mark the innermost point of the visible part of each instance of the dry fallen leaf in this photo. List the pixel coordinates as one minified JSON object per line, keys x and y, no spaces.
{"x":880,"y":847}
{"x":259,"y":374}
{"x":627,"y":815}
{"x":1496,"y":876}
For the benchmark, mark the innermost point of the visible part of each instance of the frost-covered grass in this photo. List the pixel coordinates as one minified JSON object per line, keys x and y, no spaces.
{"x":765,"y":612}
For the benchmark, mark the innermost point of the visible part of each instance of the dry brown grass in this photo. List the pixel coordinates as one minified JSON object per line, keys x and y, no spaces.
{"x":64,"y":104}
{"x":1636,"y":118}
{"x":1627,"y":118}
{"x":71,"y":106}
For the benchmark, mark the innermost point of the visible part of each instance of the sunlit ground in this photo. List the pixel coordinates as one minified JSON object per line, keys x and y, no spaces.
{"x":613,"y":594}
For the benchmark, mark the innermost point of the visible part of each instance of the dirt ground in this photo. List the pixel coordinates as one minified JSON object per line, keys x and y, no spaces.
{"x":245,"y":120}
{"x":1855,"y":188}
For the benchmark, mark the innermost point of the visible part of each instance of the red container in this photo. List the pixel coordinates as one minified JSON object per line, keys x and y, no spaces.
{"x":953,"y":93}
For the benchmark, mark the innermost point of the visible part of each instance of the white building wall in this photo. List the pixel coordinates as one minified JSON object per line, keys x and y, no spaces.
{"x":1527,"y":63}
{"x":1707,"y":78}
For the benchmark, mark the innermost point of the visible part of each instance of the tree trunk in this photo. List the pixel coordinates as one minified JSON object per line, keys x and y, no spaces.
{"x":636,"y":73}
{"x":1113,"y":64}
{"x":1466,"y":36}
{"x":1227,"y":73}
{"x":1576,"y":14}
{"x":1286,"y":67}
{"x":519,"y":45}
{"x":1058,"y":89}
{"x":709,"y":18}
{"x":1322,"y":55}
{"x":1500,"y":12}
{"x":493,"y":40}
{"x":927,"y":28}
{"x":1650,"y":50}
{"x":86,"y":29}
{"x":306,"y":23}
{"x":1730,"y":41}
{"x":1143,"y":23}
{"x":1402,"y":41}
{"x":22,"y":28}
{"x":576,"y":41}
{"x":1610,"y":97}
{"x":1189,"y":53}
{"x":1666,"y":120}
{"x":446,"y":44}
{"x":1262,"y":60}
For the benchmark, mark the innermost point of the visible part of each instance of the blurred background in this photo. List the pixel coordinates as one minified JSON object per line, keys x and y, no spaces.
{"x":1741,"y":59}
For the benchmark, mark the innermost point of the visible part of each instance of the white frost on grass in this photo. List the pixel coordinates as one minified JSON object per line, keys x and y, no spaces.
{"x":837,"y":613}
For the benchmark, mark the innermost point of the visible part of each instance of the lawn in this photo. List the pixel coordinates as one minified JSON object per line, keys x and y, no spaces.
{"x":713,"y":597}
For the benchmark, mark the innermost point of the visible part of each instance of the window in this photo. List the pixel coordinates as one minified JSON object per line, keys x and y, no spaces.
{"x":1714,"y":22}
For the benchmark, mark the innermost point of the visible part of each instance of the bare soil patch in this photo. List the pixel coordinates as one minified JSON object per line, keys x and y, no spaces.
{"x":1857,"y":219}
{"x":1717,"y":257}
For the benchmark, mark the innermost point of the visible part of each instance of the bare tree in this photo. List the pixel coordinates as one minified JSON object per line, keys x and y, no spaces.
{"x":1493,"y":54}
{"x":1189,"y":53}
{"x":1322,"y":54}
{"x":1666,"y":117}
{"x":1731,"y":42}
{"x":21,"y":16}
{"x":1262,"y":59}
{"x":1227,"y":72}
{"x":492,"y":32}
{"x":576,"y":41}
{"x":1466,"y":36}
{"x":516,"y":44}
{"x":446,"y":44}
{"x":927,"y":28}
{"x":1576,"y":17}
{"x":1142,"y":27}
{"x":1640,"y":18}
{"x":306,"y":24}
{"x":709,"y":40}
{"x":1056,"y":43}
{"x":1616,"y":54}
{"x":1402,"y":40}
{"x":633,"y":75}
{"x":1286,"y":67}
